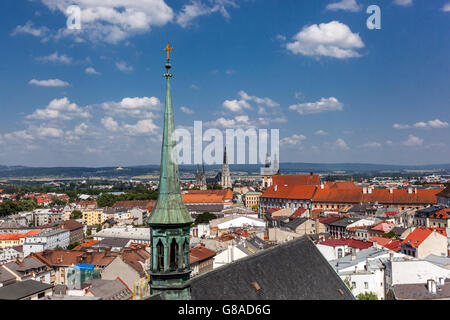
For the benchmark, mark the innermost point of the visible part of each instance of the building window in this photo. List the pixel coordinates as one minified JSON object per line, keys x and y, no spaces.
{"x":160,"y":250}
{"x":173,"y":255}
{"x":366,"y":285}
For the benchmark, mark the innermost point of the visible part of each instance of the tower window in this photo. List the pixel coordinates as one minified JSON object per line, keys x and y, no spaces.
{"x":173,"y":264}
{"x":160,"y":250}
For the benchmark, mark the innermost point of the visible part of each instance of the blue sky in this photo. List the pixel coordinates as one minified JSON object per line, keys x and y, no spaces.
{"x":337,"y":91}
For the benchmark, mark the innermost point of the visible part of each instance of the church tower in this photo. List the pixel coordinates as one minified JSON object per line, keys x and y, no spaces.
{"x":226,"y":179}
{"x":170,"y":220}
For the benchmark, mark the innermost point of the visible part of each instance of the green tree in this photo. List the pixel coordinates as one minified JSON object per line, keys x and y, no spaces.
{"x":205,"y":217}
{"x":88,"y":233}
{"x":72,"y":245}
{"x":57,"y":202}
{"x":390,"y":235}
{"x":367,"y":296}
{"x":58,"y":248}
{"x":76,"y":214}
{"x":99,"y":228}
{"x":9,"y":207}
{"x":106,"y":200}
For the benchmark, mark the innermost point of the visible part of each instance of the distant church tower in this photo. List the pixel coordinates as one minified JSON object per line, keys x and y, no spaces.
{"x":170,"y":220}
{"x":226,"y":179}
{"x":200,"y":179}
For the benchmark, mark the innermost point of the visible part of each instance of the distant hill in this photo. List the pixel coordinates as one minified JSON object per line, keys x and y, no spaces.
{"x":112,"y":172}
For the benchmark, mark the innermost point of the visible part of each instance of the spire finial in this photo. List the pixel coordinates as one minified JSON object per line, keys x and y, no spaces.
{"x":168,"y":49}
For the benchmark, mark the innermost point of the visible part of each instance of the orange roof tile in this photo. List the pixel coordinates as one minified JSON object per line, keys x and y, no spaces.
{"x":200,"y":253}
{"x":442,"y":214}
{"x":416,"y":237}
{"x":296,"y":179}
{"x":290,"y":192}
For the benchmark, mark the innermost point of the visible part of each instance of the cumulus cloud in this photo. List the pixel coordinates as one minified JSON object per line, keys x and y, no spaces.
{"x":29,"y":28}
{"x":55,"y":57}
{"x":403,"y":2}
{"x":135,"y":107}
{"x":197,"y":8}
{"x":346,"y":5}
{"x":186,"y":110}
{"x":124,"y":67}
{"x":323,"y":105}
{"x":446,"y":7}
{"x":432,"y":124}
{"x":239,"y":105}
{"x":333,"y":39}
{"x":49,"y":132}
{"x":91,"y":70}
{"x":321,"y":133}
{"x":18,"y":135}
{"x":293,"y":140}
{"x":113,"y":20}
{"x":413,"y":141}
{"x":110,"y":124}
{"x":341,"y":144}
{"x":142,"y":127}
{"x":60,"y":109}
{"x":49,"y":83}
{"x":401,"y":126}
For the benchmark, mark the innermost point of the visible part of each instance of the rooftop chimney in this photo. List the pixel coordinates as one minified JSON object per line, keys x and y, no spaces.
{"x":410,"y":190}
{"x":322,"y":186}
{"x":431,"y":286}
{"x":275,"y":188}
{"x":364,"y":190}
{"x":391,"y":191}
{"x":369,"y":190}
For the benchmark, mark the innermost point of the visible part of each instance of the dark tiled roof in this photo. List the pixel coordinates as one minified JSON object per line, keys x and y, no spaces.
{"x":419,"y":291}
{"x":22,"y":289}
{"x":295,"y":223}
{"x":295,"y":270}
{"x":111,"y":242}
{"x":444,"y":193}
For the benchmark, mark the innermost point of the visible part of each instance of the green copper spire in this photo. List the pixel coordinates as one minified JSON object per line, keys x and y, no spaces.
{"x":169,"y":208}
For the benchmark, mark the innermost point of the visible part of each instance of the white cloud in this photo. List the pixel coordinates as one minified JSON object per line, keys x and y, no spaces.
{"x":401,"y":126}
{"x":113,"y":20}
{"x":413,"y":141}
{"x":244,"y":103}
{"x":197,"y":8}
{"x":236,"y":105}
{"x":293,"y":140}
{"x":29,"y":28}
{"x":135,"y":107}
{"x":55,"y":57}
{"x":372,"y":145}
{"x":142,"y":127}
{"x":49,"y":83}
{"x":110,"y":124}
{"x":18,"y":135}
{"x":389,"y":143}
{"x":91,"y":70}
{"x":321,"y":133}
{"x":186,"y":110}
{"x":403,"y":2}
{"x":435,"y":124}
{"x":60,"y":109}
{"x":333,"y":39}
{"x":446,"y":7}
{"x":341,"y":144}
{"x":346,"y":5}
{"x":122,"y":66}
{"x":49,"y":132}
{"x":323,"y":105}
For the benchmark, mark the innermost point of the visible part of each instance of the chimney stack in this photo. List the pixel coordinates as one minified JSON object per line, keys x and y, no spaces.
{"x":391,"y":191}
{"x":275,"y":188}
{"x":364,"y":190}
{"x":369,"y":190}
{"x":322,"y":186}
{"x":431,"y":286}
{"x":410,"y":190}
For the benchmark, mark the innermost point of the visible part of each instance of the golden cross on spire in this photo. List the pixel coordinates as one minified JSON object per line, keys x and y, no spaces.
{"x":168,"y":49}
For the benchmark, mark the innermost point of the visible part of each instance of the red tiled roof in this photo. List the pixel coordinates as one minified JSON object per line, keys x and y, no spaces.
{"x":207,"y":196}
{"x":298,"y":213}
{"x":382,"y":196}
{"x":383,"y":226}
{"x":18,"y":236}
{"x":297,"y":180}
{"x":135,"y":203}
{"x":87,"y":244}
{"x":290,"y":192}
{"x":273,"y":210}
{"x":416,"y":237}
{"x":341,"y":185}
{"x":442,"y":214}
{"x":352,"y":243}
{"x":391,"y":213}
{"x":200,"y":253}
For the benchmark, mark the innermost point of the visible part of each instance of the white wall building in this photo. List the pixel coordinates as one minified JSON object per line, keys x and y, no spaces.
{"x":46,"y":240}
{"x":136,"y":235}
